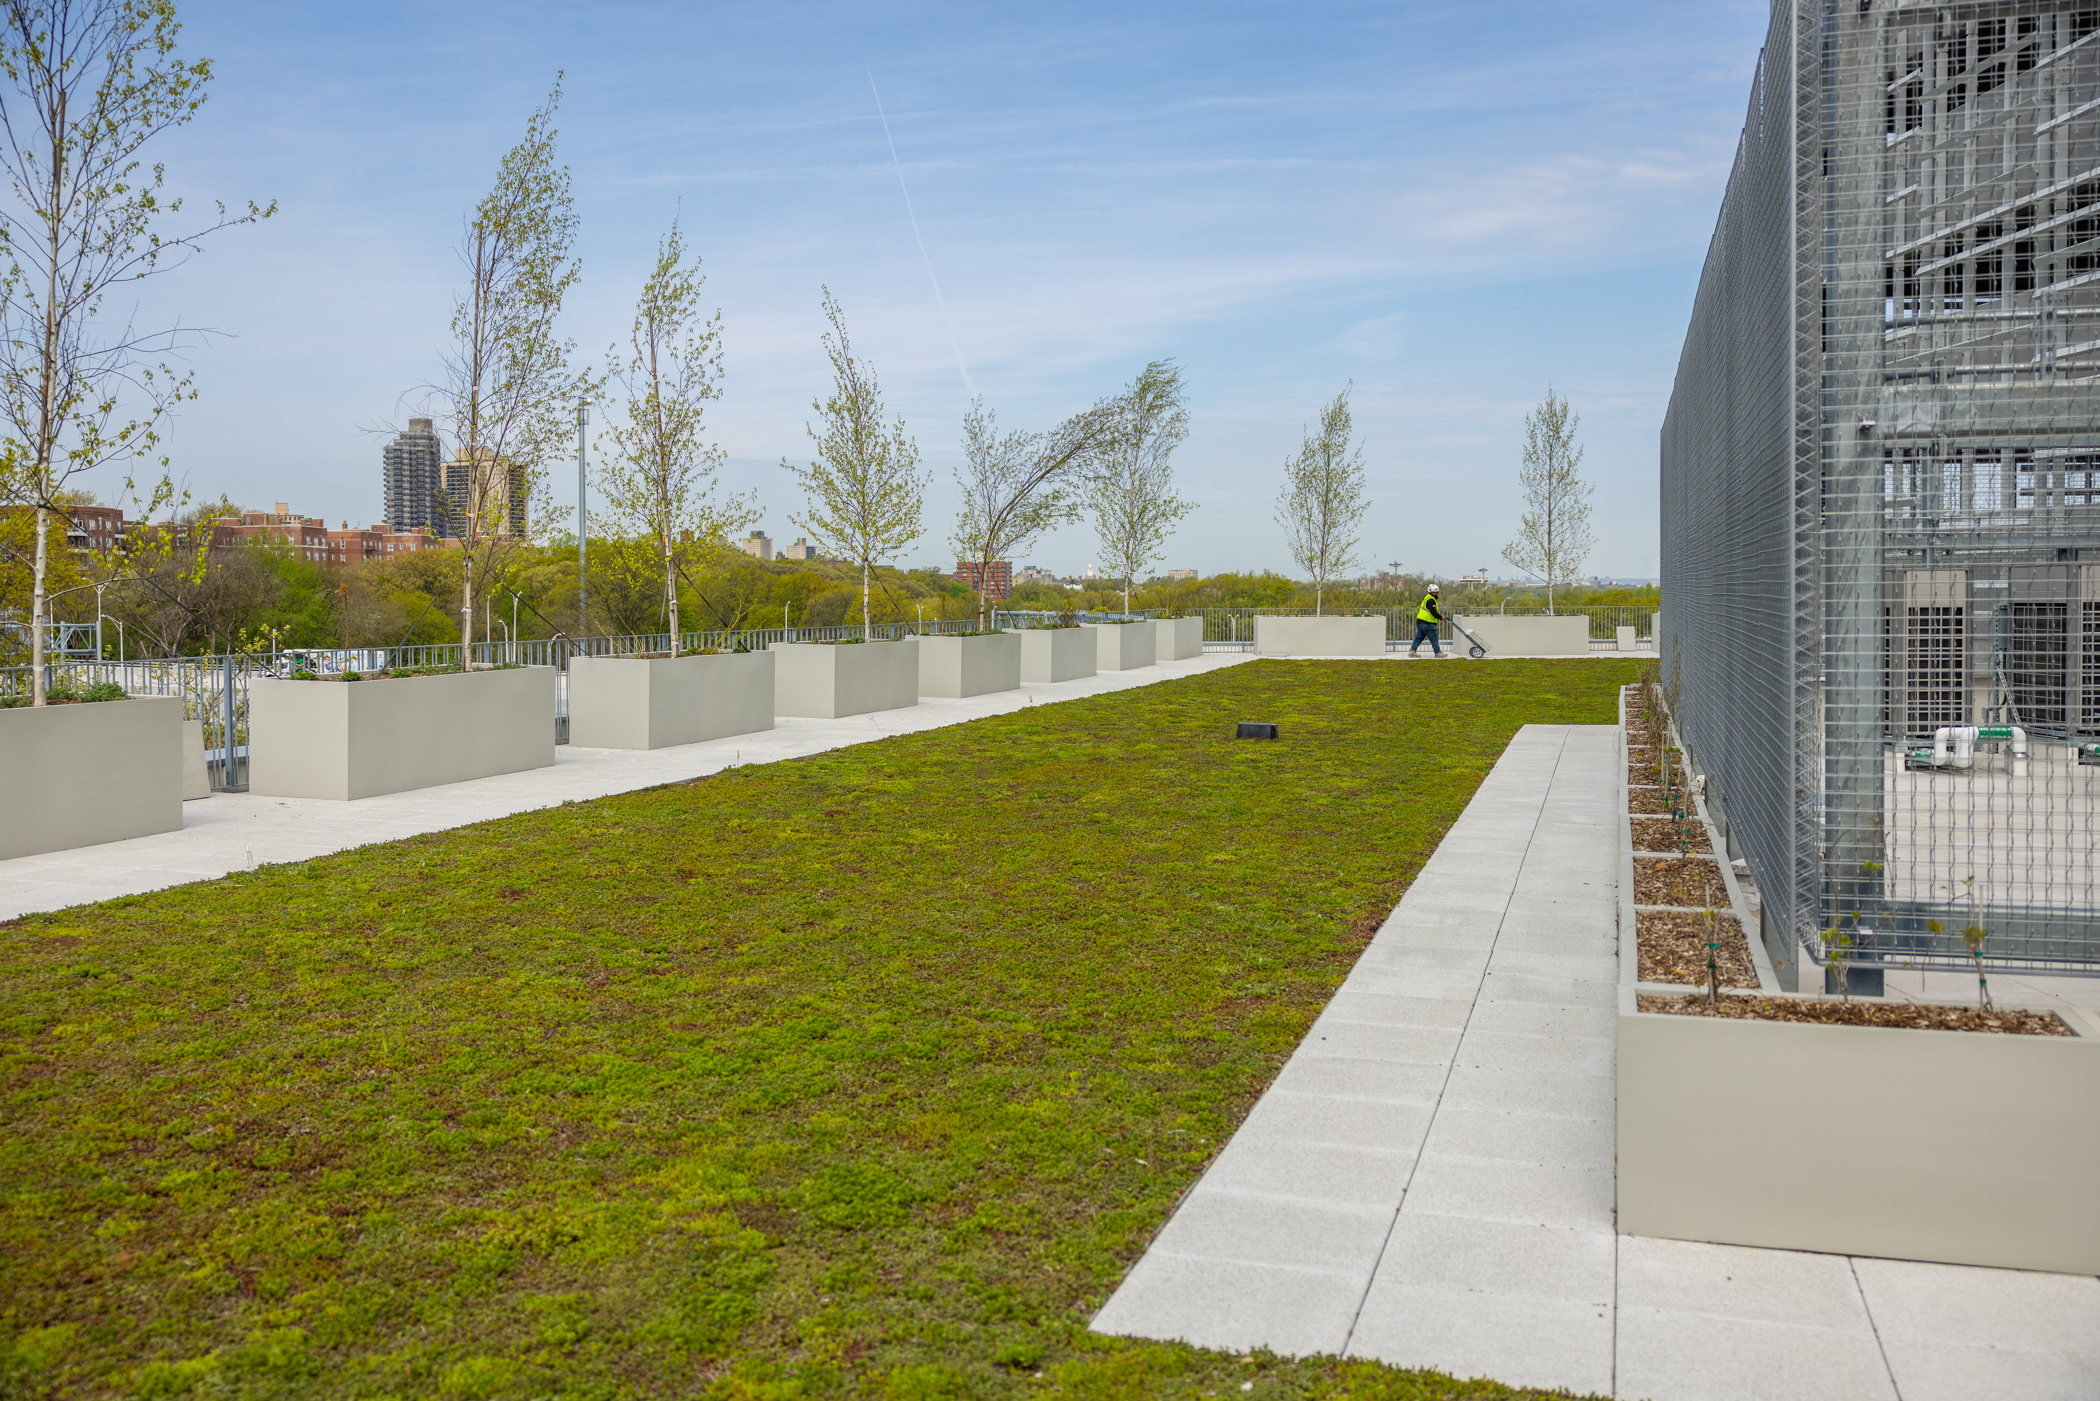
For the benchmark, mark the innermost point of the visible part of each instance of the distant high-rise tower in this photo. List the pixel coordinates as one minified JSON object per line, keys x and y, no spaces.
{"x":501,"y":486}
{"x":414,"y":479}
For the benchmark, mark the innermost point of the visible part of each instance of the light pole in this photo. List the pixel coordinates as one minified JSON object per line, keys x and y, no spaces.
{"x":583,"y":526}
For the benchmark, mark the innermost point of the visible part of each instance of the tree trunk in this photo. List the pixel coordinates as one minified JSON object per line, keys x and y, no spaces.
{"x":466,"y":604}
{"x":867,"y":632}
{"x":38,"y":605}
{"x":1319,"y":596}
{"x":671,"y":593}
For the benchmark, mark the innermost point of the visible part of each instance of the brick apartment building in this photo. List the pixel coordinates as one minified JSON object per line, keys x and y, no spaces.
{"x":95,"y":528}
{"x":102,"y":528}
{"x":311,"y":537}
{"x":1002,"y":575}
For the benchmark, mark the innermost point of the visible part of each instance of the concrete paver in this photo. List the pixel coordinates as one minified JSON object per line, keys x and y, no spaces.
{"x":1485,"y":1012}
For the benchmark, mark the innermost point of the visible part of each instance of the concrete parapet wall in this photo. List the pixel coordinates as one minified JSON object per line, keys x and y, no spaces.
{"x":1319,"y":637}
{"x":1504,"y":636}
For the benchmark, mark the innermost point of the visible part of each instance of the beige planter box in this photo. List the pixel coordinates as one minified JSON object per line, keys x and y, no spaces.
{"x":88,"y":773}
{"x":954,"y":667}
{"x":196,"y":773}
{"x":823,"y":682}
{"x":1319,"y":637}
{"x":1959,"y":1147}
{"x":1124,"y":646}
{"x":651,"y":702}
{"x":1179,"y":638}
{"x":359,"y":739}
{"x":1057,"y":654}
{"x":1529,"y":637}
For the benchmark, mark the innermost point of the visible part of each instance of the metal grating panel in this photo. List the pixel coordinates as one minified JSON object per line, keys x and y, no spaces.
{"x":1881,"y":479}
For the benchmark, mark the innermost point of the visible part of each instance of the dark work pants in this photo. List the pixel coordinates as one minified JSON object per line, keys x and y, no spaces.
{"x":1425,"y":630}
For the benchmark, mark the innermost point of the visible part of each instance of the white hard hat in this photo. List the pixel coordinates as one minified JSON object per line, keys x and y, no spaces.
{"x":1434,"y":587}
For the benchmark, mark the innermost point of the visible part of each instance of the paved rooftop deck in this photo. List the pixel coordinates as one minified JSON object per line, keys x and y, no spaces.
{"x":1429,"y":1182}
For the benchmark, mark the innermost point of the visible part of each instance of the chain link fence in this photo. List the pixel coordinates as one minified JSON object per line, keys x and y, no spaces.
{"x":1881,"y":488}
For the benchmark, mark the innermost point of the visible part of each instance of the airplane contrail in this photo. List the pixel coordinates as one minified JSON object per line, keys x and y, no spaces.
{"x":941,"y":301}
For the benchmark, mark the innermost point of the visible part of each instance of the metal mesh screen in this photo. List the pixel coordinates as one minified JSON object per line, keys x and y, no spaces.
{"x":1897,"y":686}
{"x":1731,"y":616}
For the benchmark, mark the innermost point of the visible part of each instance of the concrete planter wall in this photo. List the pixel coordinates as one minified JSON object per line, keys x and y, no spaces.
{"x":1319,"y":637}
{"x":1179,"y":638}
{"x":196,"y":773}
{"x":1959,"y":1147}
{"x":969,"y":666}
{"x":83,"y":774}
{"x":359,"y":739}
{"x":1529,"y":637}
{"x":651,"y":702}
{"x":824,"y":682}
{"x":1057,"y":654}
{"x":1124,"y":646}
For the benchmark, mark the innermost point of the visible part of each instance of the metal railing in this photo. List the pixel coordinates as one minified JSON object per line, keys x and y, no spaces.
{"x":1232,"y":629}
{"x":214,"y":688}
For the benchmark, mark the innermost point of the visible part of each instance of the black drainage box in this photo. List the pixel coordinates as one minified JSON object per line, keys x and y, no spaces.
{"x":1257,"y":729}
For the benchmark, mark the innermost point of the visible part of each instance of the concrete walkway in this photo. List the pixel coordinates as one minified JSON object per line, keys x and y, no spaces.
{"x":234,"y":831}
{"x":1429,"y":1182}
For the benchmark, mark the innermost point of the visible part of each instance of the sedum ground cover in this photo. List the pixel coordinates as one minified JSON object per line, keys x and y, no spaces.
{"x":859,"y":1075}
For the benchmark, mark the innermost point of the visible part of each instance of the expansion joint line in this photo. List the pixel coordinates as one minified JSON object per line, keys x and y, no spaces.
{"x":1545,"y":797}
{"x":1881,"y":1349}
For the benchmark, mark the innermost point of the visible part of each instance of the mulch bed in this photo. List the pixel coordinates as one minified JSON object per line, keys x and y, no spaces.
{"x":1660,"y":834}
{"x":1649,"y":800}
{"x":1689,"y":882}
{"x":1861,"y":1013}
{"x":1673,"y":950}
{"x":1642,"y":768}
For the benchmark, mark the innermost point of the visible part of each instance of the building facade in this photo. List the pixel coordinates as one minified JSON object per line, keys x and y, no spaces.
{"x":412,"y":479}
{"x":492,"y":492}
{"x":310,"y":537}
{"x":1881,"y":484}
{"x":1001,"y":575}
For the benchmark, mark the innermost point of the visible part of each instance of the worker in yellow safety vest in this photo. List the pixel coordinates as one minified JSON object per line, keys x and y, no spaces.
{"x":1426,"y":619}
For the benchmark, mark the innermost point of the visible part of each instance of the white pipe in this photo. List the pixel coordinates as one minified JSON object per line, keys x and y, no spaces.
{"x":1964,"y":738}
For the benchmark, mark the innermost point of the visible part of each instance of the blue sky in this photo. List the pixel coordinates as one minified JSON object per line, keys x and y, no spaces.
{"x":1451,"y":205}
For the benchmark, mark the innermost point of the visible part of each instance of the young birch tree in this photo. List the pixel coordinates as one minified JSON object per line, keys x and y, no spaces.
{"x":658,"y":480}
{"x":88,"y":83}
{"x":508,"y":393}
{"x":1130,"y":494}
{"x":1017,"y":485}
{"x":866,"y":494}
{"x":1554,"y":537}
{"x":1323,"y":501}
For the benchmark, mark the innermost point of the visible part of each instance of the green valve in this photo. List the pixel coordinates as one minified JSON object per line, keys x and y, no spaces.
{"x":1994,"y":732}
